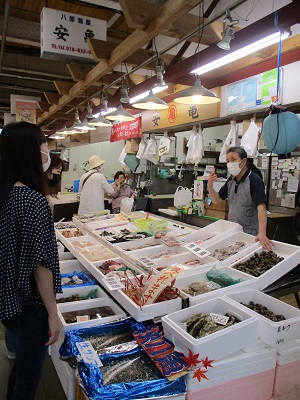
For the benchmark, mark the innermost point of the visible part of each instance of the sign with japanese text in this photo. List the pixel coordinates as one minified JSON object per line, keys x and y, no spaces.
{"x":64,"y":35}
{"x":88,"y":354}
{"x":26,"y":111}
{"x":126,"y":130}
{"x":179,"y":114}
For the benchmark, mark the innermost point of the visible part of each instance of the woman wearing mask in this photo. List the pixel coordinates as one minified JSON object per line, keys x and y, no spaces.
{"x":246,"y":196}
{"x":54,"y":175}
{"x":92,"y":186}
{"x":121,"y":191}
{"x":29,"y":267}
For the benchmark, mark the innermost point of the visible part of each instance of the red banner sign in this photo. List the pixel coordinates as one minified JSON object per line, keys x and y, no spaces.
{"x":126,"y":130}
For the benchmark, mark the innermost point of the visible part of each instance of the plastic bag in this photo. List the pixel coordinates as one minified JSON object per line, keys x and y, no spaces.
{"x":198,"y":145}
{"x":230,"y":141}
{"x":121,"y":157}
{"x":250,"y":140}
{"x":142,"y":148}
{"x":164,"y":144}
{"x":221,"y":279}
{"x":190,"y":145}
{"x":182,"y":196}
{"x":126,"y":205}
{"x":151,"y":152}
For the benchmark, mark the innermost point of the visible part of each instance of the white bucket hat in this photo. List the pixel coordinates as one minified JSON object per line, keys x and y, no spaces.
{"x":95,"y":161}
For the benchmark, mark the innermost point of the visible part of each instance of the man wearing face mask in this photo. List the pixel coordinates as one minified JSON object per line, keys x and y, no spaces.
{"x":92,"y":186}
{"x":246,"y":196}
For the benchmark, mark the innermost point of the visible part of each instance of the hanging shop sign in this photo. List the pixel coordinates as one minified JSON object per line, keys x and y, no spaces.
{"x":26,"y":111}
{"x":126,"y":130}
{"x":64,"y":35}
{"x":179,"y":114}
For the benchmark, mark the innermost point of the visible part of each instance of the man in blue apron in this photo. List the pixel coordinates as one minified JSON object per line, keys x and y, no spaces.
{"x":246,"y":196}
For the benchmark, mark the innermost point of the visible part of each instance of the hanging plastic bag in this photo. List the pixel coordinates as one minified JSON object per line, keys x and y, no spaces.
{"x":190,"y":145}
{"x":121,"y":157}
{"x":230,"y":141}
{"x":164,"y":145}
{"x":198,"y":145}
{"x":151,"y":152}
{"x":250,"y":140}
{"x":126,"y":205}
{"x":182,"y":196}
{"x":132,"y":161}
{"x":142,"y":148}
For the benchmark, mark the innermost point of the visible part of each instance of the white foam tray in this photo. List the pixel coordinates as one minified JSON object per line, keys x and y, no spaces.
{"x":184,"y":281}
{"x":216,"y":345}
{"x":69,"y":266}
{"x":272,"y":333}
{"x":291,"y":256}
{"x":231,"y":239}
{"x":82,"y":242}
{"x":213,"y":232}
{"x":83,"y":255}
{"x":288,"y":352}
{"x":96,"y":272}
{"x":150,"y":252}
{"x":80,"y":305}
{"x":81,"y":291}
{"x":133,"y":244}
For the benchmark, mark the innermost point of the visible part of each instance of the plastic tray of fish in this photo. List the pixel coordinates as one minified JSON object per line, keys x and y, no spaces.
{"x":80,"y":293}
{"x":139,"y":244}
{"x":213,"y":232}
{"x":81,"y":315}
{"x":272,"y":332}
{"x":156,"y":254}
{"x":82,"y":242}
{"x":95,"y":253}
{"x":291,"y":258}
{"x":116,"y":267}
{"x":219,"y":343}
{"x":199,"y":288}
{"x":231,"y":247}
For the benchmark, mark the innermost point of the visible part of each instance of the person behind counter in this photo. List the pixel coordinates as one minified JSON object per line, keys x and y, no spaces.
{"x":246,"y":196}
{"x":54,"y":175}
{"x":92,"y":186}
{"x":121,"y":191}
{"x":29,"y":267}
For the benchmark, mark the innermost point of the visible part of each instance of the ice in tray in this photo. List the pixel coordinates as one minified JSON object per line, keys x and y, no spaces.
{"x":271,"y":266}
{"x":278,"y":322}
{"x":231,"y":247}
{"x":82,"y":242}
{"x":241,"y":332}
{"x":213,"y":231}
{"x":97,"y":253}
{"x":213,"y":282}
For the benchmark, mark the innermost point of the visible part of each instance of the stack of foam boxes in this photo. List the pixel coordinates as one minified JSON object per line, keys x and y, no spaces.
{"x":249,"y":360}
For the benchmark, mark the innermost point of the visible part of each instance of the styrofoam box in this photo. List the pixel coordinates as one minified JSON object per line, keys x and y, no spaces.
{"x":79,"y":305}
{"x":150,"y":252}
{"x":288,"y":352}
{"x":66,"y":374}
{"x":291,"y":256}
{"x":82,"y":256}
{"x":147,"y":312}
{"x":287,"y":383}
{"x":213,"y":231}
{"x":180,"y":230}
{"x":231,"y":239}
{"x":82,"y":242}
{"x":181,"y":258}
{"x":134,"y":244}
{"x":96,"y":272}
{"x":174,"y":397}
{"x":237,"y":365}
{"x":257,"y":386}
{"x":184,"y":281}
{"x":81,"y":291}
{"x":66,"y":256}
{"x":218,"y":344}
{"x":272,"y":333}
{"x":69,"y":266}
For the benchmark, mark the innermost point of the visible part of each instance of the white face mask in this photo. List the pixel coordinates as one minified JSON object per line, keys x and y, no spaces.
{"x":234,"y":168}
{"x":46,"y":165}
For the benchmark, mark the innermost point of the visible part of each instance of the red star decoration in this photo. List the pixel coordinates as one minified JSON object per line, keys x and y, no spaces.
{"x":207,"y":363}
{"x":199,"y":374}
{"x":191,"y":359}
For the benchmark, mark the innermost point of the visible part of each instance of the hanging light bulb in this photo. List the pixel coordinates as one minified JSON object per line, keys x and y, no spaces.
{"x":197,"y":94}
{"x":124,"y":93}
{"x":89,"y":111}
{"x":228,"y":31}
{"x":160,"y":74}
{"x":151,"y":102}
{"x":120,"y":115}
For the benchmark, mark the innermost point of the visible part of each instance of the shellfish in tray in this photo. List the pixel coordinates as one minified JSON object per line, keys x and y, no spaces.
{"x":201,"y":325}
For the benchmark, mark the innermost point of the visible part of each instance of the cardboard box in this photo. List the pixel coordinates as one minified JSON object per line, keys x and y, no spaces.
{"x":216,"y":214}
{"x":132,"y":145}
{"x":222,"y":206}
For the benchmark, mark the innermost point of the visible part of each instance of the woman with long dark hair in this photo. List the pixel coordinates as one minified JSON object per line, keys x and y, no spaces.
{"x":29,"y":266}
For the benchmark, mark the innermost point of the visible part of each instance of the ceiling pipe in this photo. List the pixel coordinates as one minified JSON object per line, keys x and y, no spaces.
{"x":5,"y":24}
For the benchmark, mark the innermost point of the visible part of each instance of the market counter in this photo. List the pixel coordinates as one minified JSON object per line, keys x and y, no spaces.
{"x":155,"y":202}
{"x":65,"y":205}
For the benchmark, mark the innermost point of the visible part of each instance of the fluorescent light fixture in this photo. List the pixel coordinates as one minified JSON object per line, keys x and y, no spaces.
{"x":155,"y":90}
{"x":243,"y":52}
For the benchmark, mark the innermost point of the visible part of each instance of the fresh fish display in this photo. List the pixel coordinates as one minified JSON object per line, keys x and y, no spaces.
{"x":263,"y":310}
{"x":92,"y":313}
{"x":225,"y":252}
{"x":93,"y":294}
{"x":258,"y":264}
{"x":201,"y":325}
{"x":115,"y":268}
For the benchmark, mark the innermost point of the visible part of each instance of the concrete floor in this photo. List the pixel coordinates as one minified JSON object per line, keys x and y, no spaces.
{"x":50,"y":387}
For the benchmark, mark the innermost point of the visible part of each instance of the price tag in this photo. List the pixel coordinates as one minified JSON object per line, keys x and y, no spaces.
{"x":213,"y":285}
{"x":171,"y":241}
{"x":113,"y":283}
{"x":147,"y":261}
{"x":219,"y":319}
{"x":196,"y":249}
{"x":88,"y":354}
{"x":82,"y":318}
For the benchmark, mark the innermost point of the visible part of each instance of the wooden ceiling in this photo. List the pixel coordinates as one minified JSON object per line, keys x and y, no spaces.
{"x":132,"y":25}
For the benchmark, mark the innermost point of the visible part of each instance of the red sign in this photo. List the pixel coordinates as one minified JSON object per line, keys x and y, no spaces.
{"x":126,"y":130}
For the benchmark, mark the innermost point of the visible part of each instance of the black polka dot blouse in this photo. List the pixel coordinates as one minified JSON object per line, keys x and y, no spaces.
{"x":26,"y":238}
